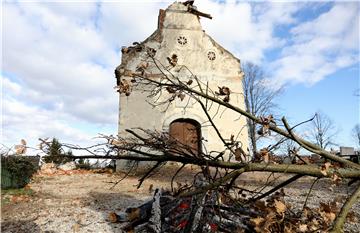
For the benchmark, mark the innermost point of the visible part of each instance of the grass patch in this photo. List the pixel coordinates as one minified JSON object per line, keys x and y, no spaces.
{"x":6,"y":194}
{"x":38,"y":179}
{"x":15,"y":192}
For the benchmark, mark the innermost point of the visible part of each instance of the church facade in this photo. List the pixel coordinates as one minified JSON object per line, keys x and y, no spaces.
{"x":179,"y":36}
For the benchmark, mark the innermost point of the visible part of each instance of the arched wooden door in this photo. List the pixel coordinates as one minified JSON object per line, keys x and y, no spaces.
{"x":188,"y":133}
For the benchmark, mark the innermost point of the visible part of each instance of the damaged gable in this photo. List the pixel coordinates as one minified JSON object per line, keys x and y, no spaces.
{"x":179,"y":32}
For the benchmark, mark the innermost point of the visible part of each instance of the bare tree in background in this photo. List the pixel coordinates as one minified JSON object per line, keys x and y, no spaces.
{"x":322,"y":131}
{"x":259,"y":98}
{"x":357,"y":92}
{"x":356,"y":133}
{"x":288,"y":146}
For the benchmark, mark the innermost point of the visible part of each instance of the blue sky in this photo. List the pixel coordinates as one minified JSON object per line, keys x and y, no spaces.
{"x":58,"y":59}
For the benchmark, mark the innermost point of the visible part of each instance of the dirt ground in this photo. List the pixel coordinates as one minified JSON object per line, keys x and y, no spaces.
{"x":81,"y":201}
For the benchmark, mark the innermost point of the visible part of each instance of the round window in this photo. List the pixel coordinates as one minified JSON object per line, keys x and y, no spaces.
{"x":182,"y":40}
{"x":211,"y":55}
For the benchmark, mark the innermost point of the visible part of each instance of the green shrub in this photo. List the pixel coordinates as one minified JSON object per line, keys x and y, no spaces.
{"x":55,"y":154}
{"x":16,"y":171}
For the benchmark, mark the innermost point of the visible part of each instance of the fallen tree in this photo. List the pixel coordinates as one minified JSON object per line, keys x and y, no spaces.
{"x":211,"y":203}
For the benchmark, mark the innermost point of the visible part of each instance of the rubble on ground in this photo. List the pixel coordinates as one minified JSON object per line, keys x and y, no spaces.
{"x":50,"y":169}
{"x":67,"y":166}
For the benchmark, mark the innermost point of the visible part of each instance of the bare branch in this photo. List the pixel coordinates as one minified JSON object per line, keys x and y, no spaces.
{"x":340,"y":219}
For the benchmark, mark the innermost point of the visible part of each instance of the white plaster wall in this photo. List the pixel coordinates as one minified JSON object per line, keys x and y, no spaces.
{"x":223,"y":71}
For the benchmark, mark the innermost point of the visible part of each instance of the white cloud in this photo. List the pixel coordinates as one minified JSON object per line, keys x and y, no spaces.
{"x":30,"y":122}
{"x":60,"y":56}
{"x":60,"y":61}
{"x":61,"y":71}
{"x":320,"y":46}
{"x":125,"y":22}
{"x":332,"y":23}
{"x":77,"y":11}
{"x":247,"y":29}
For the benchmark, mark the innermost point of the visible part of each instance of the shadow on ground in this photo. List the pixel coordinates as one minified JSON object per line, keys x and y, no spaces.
{"x":165,"y":173}
{"x":20,"y":227}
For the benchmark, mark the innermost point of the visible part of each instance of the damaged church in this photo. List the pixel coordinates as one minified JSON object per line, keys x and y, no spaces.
{"x":182,"y":47}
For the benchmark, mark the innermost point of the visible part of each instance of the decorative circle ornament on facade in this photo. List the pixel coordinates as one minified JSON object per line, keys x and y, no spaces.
{"x":211,"y":55}
{"x":182,"y":40}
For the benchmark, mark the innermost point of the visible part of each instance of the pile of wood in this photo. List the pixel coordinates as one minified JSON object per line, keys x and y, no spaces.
{"x":200,"y":213}
{"x":218,"y":211}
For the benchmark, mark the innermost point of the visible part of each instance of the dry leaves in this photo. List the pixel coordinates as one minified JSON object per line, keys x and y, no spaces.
{"x":124,"y":87}
{"x":112,"y":217}
{"x":224,"y":91}
{"x":21,"y":149}
{"x":336,"y":179}
{"x":257,"y":221}
{"x":277,"y":217}
{"x":181,"y":96}
{"x":172,"y":60}
{"x":171,"y":90}
{"x":264,"y":155}
{"x":303,"y":228}
{"x":238,"y":154}
{"x":280,"y":207}
{"x":266,"y":121}
{"x":142,"y":65}
{"x":175,"y":93}
{"x":19,"y":198}
{"x":325,"y":168}
{"x":151,"y":190}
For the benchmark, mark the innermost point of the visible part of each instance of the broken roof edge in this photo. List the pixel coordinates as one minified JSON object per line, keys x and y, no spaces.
{"x":187,"y":7}
{"x":175,"y":6}
{"x":157,"y":35}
